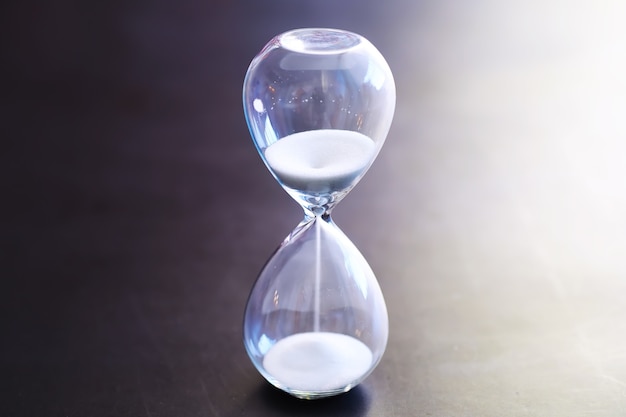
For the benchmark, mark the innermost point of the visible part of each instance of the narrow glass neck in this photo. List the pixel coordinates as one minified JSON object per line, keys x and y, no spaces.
{"x":318,"y":213}
{"x":317,"y":205}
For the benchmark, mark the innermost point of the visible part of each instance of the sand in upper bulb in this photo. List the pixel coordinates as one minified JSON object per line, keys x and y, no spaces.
{"x":318,"y":362}
{"x":320,"y":161}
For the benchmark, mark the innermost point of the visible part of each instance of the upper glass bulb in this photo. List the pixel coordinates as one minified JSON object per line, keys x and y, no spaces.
{"x":319,"y":104}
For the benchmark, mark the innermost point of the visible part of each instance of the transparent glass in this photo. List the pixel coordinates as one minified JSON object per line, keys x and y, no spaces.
{"x":319,"y":104}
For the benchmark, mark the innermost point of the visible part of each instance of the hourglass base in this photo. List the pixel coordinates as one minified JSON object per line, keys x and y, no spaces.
{"x":317,"y":364}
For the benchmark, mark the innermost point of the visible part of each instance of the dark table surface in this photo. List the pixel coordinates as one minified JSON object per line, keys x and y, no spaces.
{"x":136,"y":212}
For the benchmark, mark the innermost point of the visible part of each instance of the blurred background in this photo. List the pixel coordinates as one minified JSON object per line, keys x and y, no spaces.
{"x":136,"y":212}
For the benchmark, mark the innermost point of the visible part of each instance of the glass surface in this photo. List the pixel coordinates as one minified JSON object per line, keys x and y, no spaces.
{"x":319,"y":104}
{"x":330,"y":83}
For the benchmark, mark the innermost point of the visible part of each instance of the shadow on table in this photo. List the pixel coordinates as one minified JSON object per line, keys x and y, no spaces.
{"x":355,"y":403}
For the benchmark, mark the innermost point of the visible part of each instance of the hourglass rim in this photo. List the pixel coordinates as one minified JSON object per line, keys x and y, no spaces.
{"x":319,"y":41}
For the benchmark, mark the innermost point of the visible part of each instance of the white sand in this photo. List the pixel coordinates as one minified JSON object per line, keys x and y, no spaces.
{"x":318,"y":361}
{"x":322,"y":160}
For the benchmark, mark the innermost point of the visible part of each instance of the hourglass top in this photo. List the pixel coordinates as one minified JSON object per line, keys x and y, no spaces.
{"x":319,"y":104}
{"x":318,"y":41}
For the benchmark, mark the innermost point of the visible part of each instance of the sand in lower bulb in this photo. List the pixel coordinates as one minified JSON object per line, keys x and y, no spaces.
{"x":318,"y":362}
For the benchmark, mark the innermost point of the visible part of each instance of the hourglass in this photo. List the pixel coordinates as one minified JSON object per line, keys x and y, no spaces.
{"x":319,"y":105}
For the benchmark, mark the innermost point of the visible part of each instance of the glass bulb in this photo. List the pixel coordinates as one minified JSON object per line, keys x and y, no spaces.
{"x":326,"y":98}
